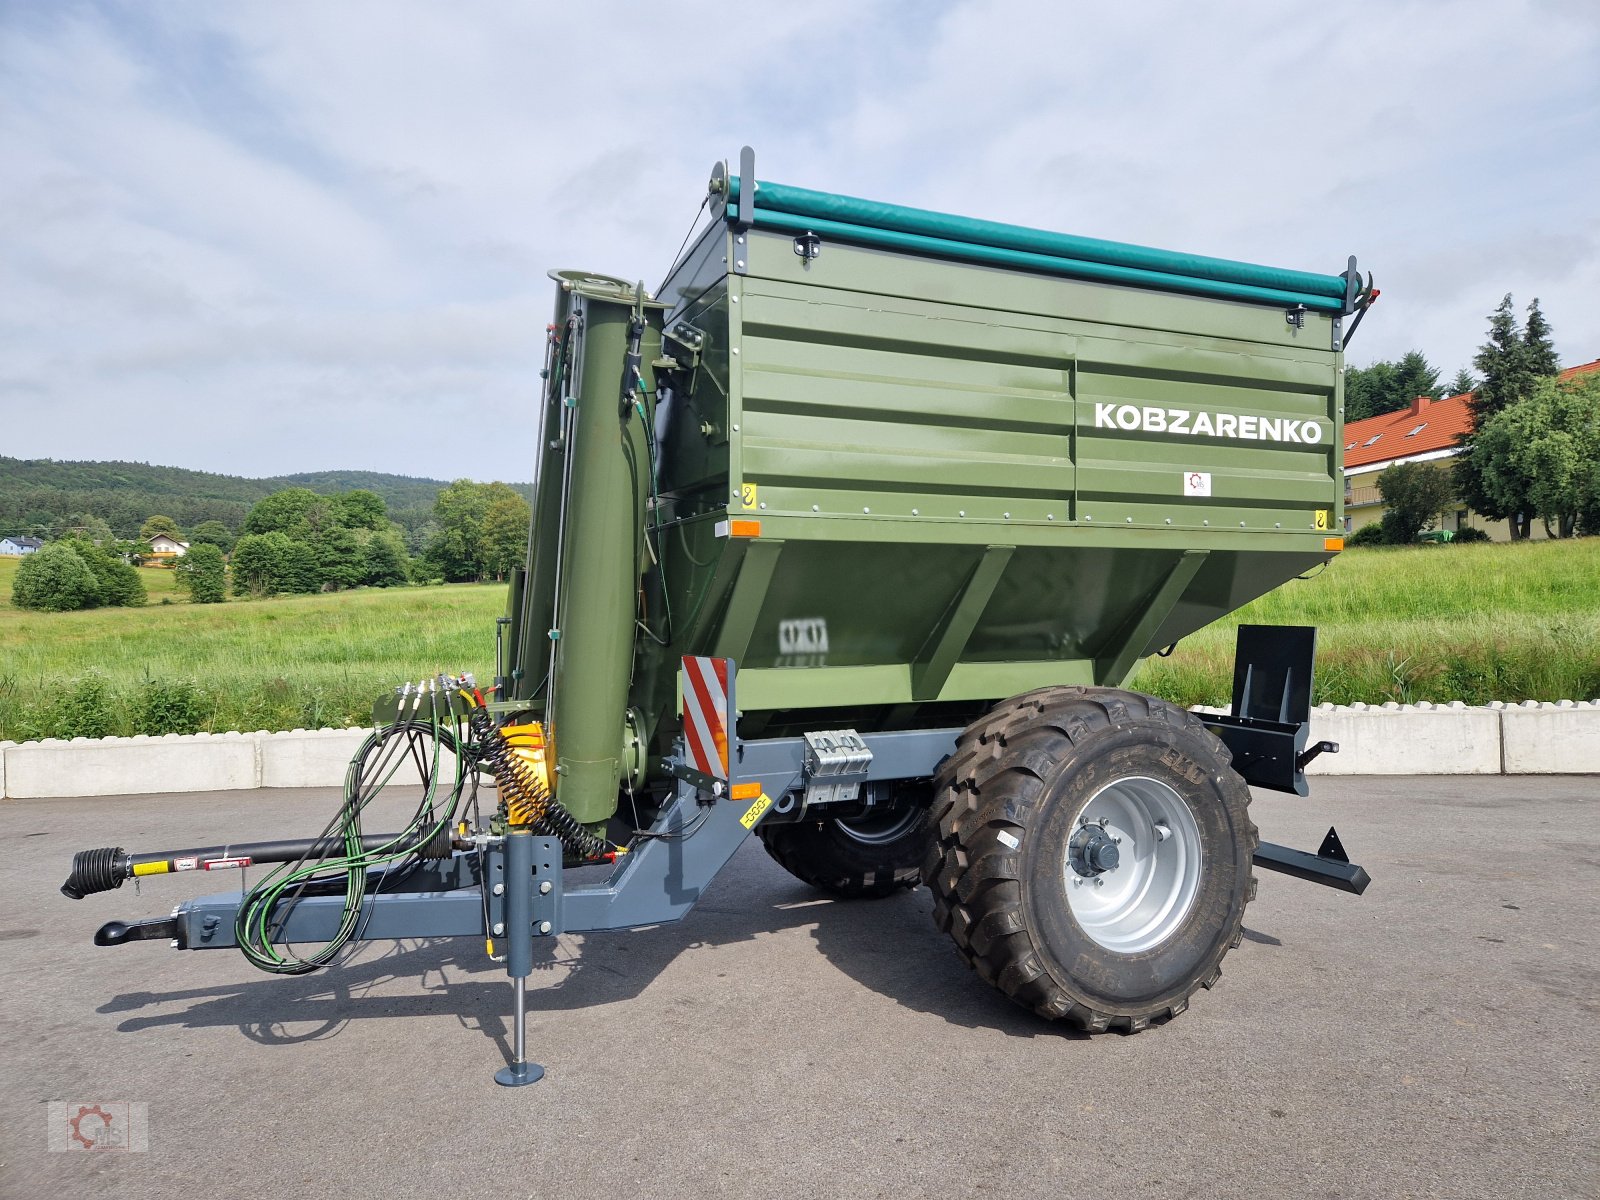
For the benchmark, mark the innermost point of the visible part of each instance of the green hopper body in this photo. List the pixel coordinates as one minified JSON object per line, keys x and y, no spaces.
{"x":897,"y":477}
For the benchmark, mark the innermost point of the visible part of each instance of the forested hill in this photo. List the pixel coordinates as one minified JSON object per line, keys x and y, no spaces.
{"x":398,"y":491}
{"x":37,"y":495}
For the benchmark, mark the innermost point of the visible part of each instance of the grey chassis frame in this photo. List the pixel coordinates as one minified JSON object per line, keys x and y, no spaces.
{"x":659,"y":882}
{"x":512,"y":890}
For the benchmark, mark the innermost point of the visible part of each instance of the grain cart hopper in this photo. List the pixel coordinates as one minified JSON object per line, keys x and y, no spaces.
{"x":849,"y":536}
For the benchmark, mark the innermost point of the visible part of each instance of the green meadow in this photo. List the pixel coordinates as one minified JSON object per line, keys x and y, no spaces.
{"x":1472,"y":623}
{"x":283,"y":663}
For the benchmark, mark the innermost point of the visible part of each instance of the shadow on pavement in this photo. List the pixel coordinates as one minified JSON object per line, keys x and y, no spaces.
{"x":889,"y":946}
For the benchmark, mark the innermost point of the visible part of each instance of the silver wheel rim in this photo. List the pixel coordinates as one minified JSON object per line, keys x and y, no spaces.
{"x":878,"y":829}
{"x":1138,"y":903}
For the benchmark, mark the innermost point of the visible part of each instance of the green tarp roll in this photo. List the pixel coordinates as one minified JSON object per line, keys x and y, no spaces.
{"x":868,"y":222}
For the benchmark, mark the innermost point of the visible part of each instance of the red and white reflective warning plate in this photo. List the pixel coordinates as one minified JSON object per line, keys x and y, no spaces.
{"x":706,"y":686}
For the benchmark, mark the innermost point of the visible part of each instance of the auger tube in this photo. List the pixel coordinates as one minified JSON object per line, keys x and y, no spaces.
{"x":606,"y":464}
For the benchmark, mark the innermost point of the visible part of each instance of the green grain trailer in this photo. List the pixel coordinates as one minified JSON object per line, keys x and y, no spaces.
{"x":849,"y":535}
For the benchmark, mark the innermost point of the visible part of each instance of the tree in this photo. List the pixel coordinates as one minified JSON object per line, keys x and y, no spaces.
{"x":260,"y":564}
{"x":360,"y":509}
{"x":84,"y":527}
{"x":120,"y":583}
{"x":128,"y":551}
{"x":116,"y":583}
{"x":1366,"y":390}
{"x":202,"y":573}
{"x":1415,"y":376}
{"x":1386,"y":387}
{"x":1541,"y":456}
{"x":211,"y":533}
{"x":505,"y":533}
{"x":420,"y":535}
{"x":297,"y":512}
{"x":1538,"y":344}
{"x":456,"y":549}
{"x":156,"y":526}
{"x":341,"y":560}
{"x":54,"y":579}
{"x":384,"y":564}
{"x":302,"y":571}
{"x":1513,"y":361}
{"x":1413,"y":494}
{"x":460,"y":549}
{"x":1465,"y":381}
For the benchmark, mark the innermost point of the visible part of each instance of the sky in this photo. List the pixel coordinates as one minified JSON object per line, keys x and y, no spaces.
{"x":262,"y":238}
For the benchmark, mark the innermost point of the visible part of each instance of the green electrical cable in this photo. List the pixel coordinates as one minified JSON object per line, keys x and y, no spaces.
{"x":364,"y":781}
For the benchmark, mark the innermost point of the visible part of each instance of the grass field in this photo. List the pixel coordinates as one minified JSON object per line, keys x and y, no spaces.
{"x":1472,"y":623}
{"x":1475,"y":623}
{"x":285,"y":663}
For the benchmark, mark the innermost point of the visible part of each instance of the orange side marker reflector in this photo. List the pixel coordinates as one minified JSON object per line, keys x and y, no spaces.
{"x":744,"y":791}
{"x":1334,"y":544}
{"x":744,"y":528}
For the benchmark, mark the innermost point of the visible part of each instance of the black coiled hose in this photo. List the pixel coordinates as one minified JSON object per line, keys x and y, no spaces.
{"x":528,"y":801}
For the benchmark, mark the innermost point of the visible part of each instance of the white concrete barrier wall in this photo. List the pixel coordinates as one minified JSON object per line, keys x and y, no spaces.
{"x":318,"y":758}
{"x":307,"y":757}
{"x":1391,"y":739}
{"x":1407,"y":740}
{"x":123,"y":766}
{"x":1551,"y":739}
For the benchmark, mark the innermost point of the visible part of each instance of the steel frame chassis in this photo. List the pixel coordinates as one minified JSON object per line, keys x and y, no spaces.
{"x":512,"y":889}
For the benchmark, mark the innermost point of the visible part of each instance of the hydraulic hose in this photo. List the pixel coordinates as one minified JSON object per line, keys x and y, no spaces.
{"x":428,"y":722}
{"x":342,"y":850}
{"x":528,"y":801}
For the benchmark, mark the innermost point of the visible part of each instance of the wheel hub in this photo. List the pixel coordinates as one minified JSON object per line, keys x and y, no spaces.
{"x":1132,"y":866}
{"x":1094,"y":851}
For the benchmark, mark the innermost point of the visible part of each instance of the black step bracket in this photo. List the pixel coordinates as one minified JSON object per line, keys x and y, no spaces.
{"x":1332,"y":847}
{"x":1266,"y":754}
{"x":1270,"y":724}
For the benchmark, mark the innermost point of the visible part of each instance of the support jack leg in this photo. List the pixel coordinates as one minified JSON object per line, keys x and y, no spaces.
{"x":520,"y":1072}
{"x":519,"y":955}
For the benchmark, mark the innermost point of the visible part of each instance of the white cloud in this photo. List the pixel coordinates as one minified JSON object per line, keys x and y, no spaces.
{"x":276,"y":237}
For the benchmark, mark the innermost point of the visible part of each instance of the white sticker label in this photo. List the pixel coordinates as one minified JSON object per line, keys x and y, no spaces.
{"x":1197,"y":483}
{"x":185,"y":864}
{"x":1008,"y":839}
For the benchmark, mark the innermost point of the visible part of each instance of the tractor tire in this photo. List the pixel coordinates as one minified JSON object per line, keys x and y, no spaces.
{"x":867,"y":858}
{"x":1093,"y":856}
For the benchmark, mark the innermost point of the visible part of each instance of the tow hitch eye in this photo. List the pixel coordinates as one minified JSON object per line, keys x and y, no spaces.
{"x":1094,"y":851}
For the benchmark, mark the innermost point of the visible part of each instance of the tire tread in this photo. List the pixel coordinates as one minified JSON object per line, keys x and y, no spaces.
{"x":995,"y":782}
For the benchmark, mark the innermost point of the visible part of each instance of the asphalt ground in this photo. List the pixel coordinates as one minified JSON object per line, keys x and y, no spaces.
{"x":1436,"y":1037}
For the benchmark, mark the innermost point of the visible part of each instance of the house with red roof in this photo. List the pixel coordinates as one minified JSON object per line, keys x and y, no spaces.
{"x":1428,"y":431}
